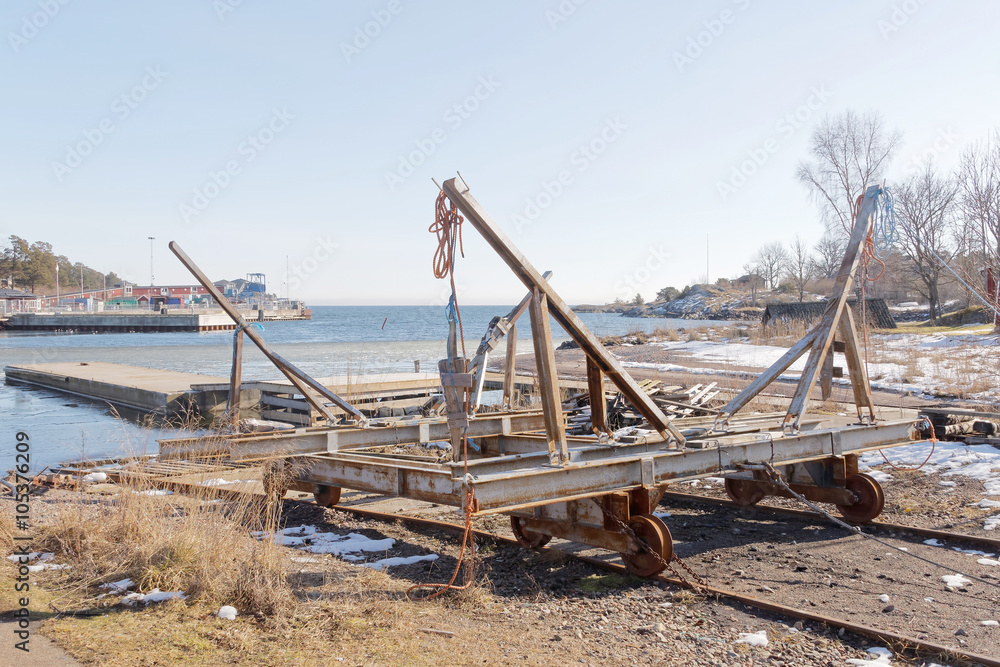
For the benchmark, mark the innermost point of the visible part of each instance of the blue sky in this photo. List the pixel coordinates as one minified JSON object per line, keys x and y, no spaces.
{"x":254,"y":131}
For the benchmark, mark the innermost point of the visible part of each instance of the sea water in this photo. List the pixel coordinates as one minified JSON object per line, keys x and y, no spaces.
{"x":339,"y":340}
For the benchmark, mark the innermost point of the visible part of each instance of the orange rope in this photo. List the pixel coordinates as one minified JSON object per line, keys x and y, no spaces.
{"x":448,"y":228}
{"x":931,"y":440}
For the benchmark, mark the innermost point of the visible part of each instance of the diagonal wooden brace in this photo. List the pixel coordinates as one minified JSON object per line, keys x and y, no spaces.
{"x":561,"y":312}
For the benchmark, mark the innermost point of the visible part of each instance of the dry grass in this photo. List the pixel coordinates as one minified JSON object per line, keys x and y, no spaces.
{"x":195,"y":545}
{"x":7,"y":531}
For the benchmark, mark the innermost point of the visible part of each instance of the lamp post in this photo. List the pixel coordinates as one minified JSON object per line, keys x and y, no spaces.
{"x":57,"y":285}
{"x":151,"y":239}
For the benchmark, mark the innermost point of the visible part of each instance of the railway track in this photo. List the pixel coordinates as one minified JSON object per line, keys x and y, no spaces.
{"x":989,"y":542}
{"x":903,"y":643}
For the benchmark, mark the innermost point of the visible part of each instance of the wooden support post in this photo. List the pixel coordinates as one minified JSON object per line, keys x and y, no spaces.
{"x":598,"y":404}
{"x":827,"y":327}
{"x":548,"y":385}
{"x":826,"y":378}
{"x":236,"y":379}
{"x":561,"y":312}
{"x":456,"y":382}
{"x":855,"y":366}
{"x":509,"y":370}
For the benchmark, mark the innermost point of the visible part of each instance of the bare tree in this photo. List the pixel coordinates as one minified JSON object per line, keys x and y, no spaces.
{"x":925,"y":214}
{"x":849,"y":152}
{"x":799,"y":265}
{"x":753,"y":279}
{"x":770,"y":260}
{"x":827,"y":255}
{"x":979,"y":198}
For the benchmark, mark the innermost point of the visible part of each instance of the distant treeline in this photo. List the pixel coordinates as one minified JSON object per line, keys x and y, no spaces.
{"x":32,"y":266}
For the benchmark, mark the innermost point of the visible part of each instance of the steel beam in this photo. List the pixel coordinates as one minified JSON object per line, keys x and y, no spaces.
{"x":314,"y":440}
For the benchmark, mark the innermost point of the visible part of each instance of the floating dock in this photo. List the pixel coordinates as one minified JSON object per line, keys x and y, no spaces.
{"x":153,"y":390}
{"x":171,"y":393}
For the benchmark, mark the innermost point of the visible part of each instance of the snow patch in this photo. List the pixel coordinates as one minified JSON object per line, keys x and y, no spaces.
{"x":988,"y":561}
{"x":955,"y":581}
{"x":878,"y":475}
{"x":934,"y":542}
{"x":758,"y":638}
{"x":228,"y":613}
{"x":122,"y":585}
{"x":155,"y":595}
{"x":221,"y":482}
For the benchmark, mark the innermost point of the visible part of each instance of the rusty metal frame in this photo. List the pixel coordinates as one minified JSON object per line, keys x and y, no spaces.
{"x":523,"y":481}
{"x":530,"y":467}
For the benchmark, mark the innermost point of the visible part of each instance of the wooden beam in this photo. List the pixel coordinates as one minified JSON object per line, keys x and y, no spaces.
{"x":561,"y":312}
{"x":598,"y":403}
{"x":296,"y":376}
{"x":855,"y":366}
{"x":826,"y":378}
{"x":548,"y":381}
{"x":236,"y":378}
{"x":826,"y":330}
{"x":509,"y":367}
{"x":767,"y":377}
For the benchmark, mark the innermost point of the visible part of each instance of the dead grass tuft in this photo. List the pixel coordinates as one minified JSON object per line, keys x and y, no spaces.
{"x":200,"y":546}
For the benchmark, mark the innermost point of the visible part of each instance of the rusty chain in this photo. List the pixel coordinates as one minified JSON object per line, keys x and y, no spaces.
{"x":701,"y":585}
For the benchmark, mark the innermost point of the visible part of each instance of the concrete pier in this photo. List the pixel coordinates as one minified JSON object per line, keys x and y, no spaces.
{"x":165,"y":393}
{"x":143,"y":321}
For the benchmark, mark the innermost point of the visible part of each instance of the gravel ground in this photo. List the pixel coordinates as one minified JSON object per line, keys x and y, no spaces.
{"x":547,"y":608}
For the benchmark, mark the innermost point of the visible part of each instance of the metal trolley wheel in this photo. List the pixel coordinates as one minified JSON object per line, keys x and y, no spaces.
{"x":654,"y":533}
{"x":871,"y":499}
{"x":526,"y":538}
{"x":743,"y":491}
{"x":326,"y":496}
